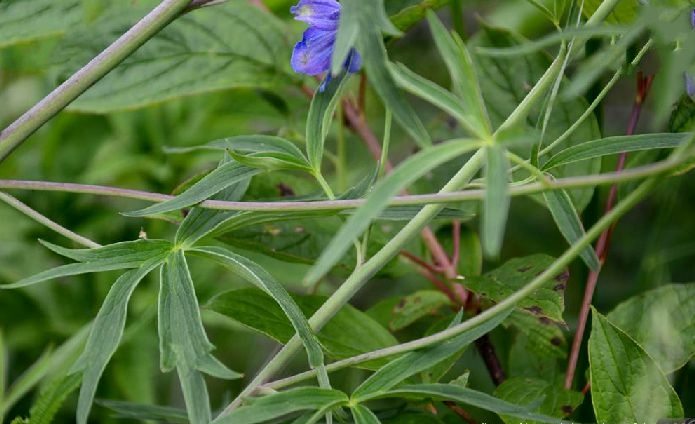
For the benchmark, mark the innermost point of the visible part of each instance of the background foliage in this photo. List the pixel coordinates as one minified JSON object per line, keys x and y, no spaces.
{"x":210,"y":108}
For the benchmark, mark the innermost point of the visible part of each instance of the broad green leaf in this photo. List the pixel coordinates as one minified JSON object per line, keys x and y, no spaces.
{"x":412,"y":363}
{"x":683,"y":116}
{"x":106,"y":333}
{"x":496,"y":201}
{"x":470,"y":397}
{"x":618,"y":144}
{"x":51,"y":398}
{"x":142,"y":412}
{"x":464,"y":80}
{"x":370,"y":17}
{"x":546,"y":303}
{"x":556,"y":401}
{"x":256,"y":275}
{"x":220,"y":178}
{"x":624,"y":12}
{"x":433,"y":93}
{"x":24,"y":21}
{"x":350,"y":332}
{"x":233,"y":45}
{"x":135,"y":251}
{"x":569,"y":223}
{"x":626,"y":383}
{"x":415,"y":306}
{"x":406,"y":173}
{"x":506,"y":83}
{"x":279,"y":404}
{"x":661,"y":321}
{"x":362,"y":415}
{"x":414,"y":12}
{"x":544,"y":338}
{"x":318,"y":122}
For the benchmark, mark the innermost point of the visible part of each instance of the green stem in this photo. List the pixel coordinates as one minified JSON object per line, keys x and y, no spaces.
{"x":12,"y":136}
{"x":658,"y":168}
{"x":41,"y":219}
{"x":361,"y":275}
{"x":384,"y":158}
{"x":556,"y":268}
{"x":324,"y":185}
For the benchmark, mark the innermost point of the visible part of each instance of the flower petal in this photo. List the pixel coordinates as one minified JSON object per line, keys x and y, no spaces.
{"x":312,"y":55}
{"x":353,"y":62}
{"x":320,"y":14}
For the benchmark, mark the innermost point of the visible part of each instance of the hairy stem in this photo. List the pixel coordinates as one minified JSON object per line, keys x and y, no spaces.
{"x":12,"y":136}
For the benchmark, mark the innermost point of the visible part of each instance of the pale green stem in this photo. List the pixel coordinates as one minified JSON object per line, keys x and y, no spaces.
{"x":537,"y":92}
{"x":324,"y":185}
{"x":388,"y":118}
{"x":361,"y":275}
{"x":341,"y":160}
{"x":555,"y":269}
{"x":608,"y":178}
{"x":78,"y":83}
{"x":41,"y":219}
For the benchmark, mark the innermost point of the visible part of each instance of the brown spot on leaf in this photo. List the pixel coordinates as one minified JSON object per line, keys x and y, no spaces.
{"x":567,"y":409}
{"x":563,"y":276}
{"x":556,"y":341}
{"x":536,"y":310}
{"x":285,"y":190}
{"x":524,"y":268}
{"x":560,"y":287}
{"x":545,"y":320}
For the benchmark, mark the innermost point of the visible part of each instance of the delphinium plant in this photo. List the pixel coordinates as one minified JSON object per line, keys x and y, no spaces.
{"x":339,"y":242}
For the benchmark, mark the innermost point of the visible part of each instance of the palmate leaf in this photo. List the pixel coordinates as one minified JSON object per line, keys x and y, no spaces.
{"x":318,"y":122}
{"x":349,"y":333}
{"x":617,"y":144}
{"x":412,"y":363}
{"x":569,"y":223}
{"x":471,"y":397}
{"x":256,"y":275}
{"x":496,"y":201}
{"x":220,"y":178}
{"x":182,"y":339}
{"x":464,"y":80}
{"x":106,"y":333}
{"x":626,"y":383}
{"x":233,"y":45}
{"x":406,"y":173}
{"x":283,"y":403}
{"x":506,"y":84}
{"x":123,"y":255}
{"x":361,"y":25}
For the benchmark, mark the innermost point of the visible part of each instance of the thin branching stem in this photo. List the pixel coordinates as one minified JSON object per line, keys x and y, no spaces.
{"x":658,"y":168}
{"x":43,"y":220}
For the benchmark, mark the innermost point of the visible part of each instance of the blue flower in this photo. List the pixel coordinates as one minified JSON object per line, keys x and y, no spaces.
{"x":312,"y":55}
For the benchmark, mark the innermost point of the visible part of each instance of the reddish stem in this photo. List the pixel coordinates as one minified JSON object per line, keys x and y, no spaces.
{"x":643,"y":86}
